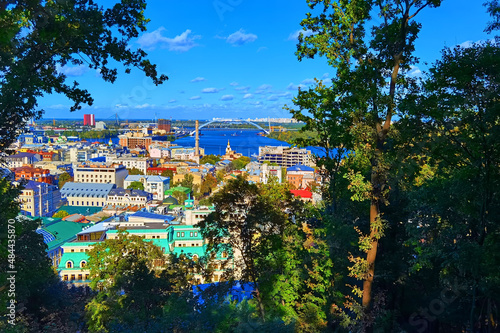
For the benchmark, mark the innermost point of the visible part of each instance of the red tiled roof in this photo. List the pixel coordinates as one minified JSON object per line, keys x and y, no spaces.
{"x":302,"y":193}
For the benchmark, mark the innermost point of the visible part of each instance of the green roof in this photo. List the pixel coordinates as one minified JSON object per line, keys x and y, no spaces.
{"x":69,"y":244}
{"x":139,"y":231}
{"x":82,"y":210}
{"x":191,"y":250}
{"x":186,"y":190}
{"x":76,"y":257}
{"x":63,"y":231}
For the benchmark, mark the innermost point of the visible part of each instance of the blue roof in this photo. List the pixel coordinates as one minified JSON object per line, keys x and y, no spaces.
{"x":300,"y":167}
{"x":136,"y":178}
{"x":47,"y":236}
{"x":95,"y":228}
{"x":93,"y":190}
{"x":153,"y":216}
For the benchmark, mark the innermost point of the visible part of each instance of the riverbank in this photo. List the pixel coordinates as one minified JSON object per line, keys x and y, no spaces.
{"x":291,"y":136}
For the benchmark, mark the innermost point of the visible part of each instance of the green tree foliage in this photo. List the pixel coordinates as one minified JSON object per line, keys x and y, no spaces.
{"x":452,"y":176}
{"x":135,"y":171}
{"x":220,"y":175}
{"x":265,"y":231}
{"x":211,"y":159}
{"x":168,"y":173}
{"x":136,"y":186}
{"x":239,"y":163}
{"x":39,"y":36}
{"x":362,"y":100}
{"x":43,"y":303}
{"x":187,"y":181}
{"x":136,"y":280}
{"x":180,"y":197}
{"x":208,"y":184}
{"x":64,"y":178}
{"x":60,"y":214}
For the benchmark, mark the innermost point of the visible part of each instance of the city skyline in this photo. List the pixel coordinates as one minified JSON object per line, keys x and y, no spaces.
{"x":223,"y":62}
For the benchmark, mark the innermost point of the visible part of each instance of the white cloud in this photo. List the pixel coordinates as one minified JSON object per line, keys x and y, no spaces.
{"x":234,"y":84}
{"x":243,"y":89}
{"x":181,"y":43}
{"x":211,"y":90}
{"x":294,"y":36}
{"x":466,"y":44}
{"x":325,"y":76}
{"x":195,"y":98}
{"x":172,"y":101}
{"x":264,"y":89}
{"x":72,"y":70}
{"x":227,"y":98}
{"x":414,"y":71}
{"x":262,"y":48}
{"x":240,"y":38}
{"x":144,"y":106}
{"x":292,"y":86}
{"x":248,"y":96}
{"x":285,"y":94}
{"x":198,"y":79}
{"x":327,"y":81}
{"x":273,"y":98}
{"x":308,"y":81}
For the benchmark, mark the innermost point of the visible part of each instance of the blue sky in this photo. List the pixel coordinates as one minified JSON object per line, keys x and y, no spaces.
{"x":235,"y":58}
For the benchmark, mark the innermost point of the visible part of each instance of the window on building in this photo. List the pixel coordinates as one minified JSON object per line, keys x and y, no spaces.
{"x":191,"y":234}
{"x":178,"y":234}
{"x":182,"y":234}
{"x":83,"y":263}
{"x":69,"y":264}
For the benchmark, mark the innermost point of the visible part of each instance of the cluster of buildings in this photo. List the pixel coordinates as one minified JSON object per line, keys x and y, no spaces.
{"x":84,"y":192}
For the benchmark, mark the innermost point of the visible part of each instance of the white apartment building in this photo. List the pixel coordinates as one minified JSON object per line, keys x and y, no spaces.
{"x":156,"y":185}
{"x":100,"y":173}
{"x":140,"y":163}
{"x":39,"y":199}
{"x":124,"y":197}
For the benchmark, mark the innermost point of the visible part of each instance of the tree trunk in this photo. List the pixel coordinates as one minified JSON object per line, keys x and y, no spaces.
{"x":371,"y":255}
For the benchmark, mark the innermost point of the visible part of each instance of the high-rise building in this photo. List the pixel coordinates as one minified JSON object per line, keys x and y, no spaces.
{"x":164,"y":124}
{"x":89,"y":120}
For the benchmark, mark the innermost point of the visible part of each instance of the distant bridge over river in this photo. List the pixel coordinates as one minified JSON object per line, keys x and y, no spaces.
{"x":233,"y":121}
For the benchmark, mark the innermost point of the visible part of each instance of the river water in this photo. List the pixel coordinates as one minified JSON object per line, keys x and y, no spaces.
{"x":243,"y":141}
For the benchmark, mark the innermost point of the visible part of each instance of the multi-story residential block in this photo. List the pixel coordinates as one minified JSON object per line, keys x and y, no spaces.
{"x":140,"y":163}
{"x":300,"y":176}
{"x":55,"y":233}
{"x":186,"y":153}
{"x":127,"y":197}
{"x":137,"y":140}
{"x":18,"y":160}
{"x":36,"y":174}
{"x":164,"y":125}
{"x":89,"y":119}
{"x":268,"y":171}
{"x":171,"y":239}
{"x":85,"y":194}
{"x":195,"y":215}
{"x":156,"y":151}
{"x":285,"y":156}
{"x":39,"y":199}
{"x":100,"y":173}
{"x":156,"y":185}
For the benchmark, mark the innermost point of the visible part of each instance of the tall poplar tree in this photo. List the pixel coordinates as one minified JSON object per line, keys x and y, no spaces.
{"x":364,"y":97}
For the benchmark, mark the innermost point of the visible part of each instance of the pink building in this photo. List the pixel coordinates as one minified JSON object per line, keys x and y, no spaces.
{"x":89,"y":120}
